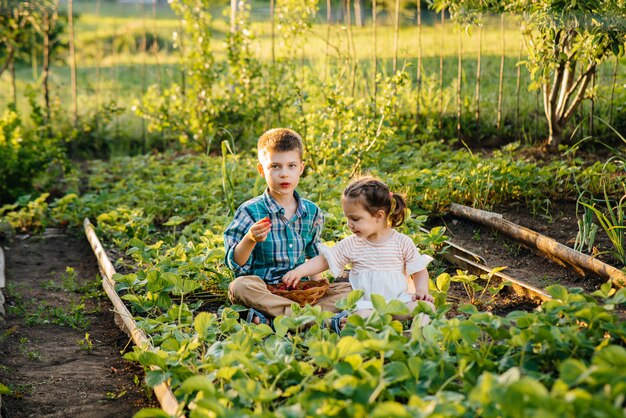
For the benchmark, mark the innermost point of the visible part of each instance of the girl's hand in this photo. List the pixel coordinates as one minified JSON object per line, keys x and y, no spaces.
{"x":259,"y":231}
{"x":426,"y":297}
{"x":292,"y":278}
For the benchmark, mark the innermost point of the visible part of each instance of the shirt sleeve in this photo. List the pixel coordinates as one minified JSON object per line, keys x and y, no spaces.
{"x":337,"y":257}
{"x":414,"y":261}
{"x":234,"y":233}
{"x":312,"y":248}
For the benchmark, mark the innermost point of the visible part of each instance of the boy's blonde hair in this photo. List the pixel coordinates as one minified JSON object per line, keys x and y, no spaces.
{"x":280,"y":140}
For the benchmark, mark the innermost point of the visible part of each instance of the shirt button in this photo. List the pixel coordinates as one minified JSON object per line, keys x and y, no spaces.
{"x":290,"y":245}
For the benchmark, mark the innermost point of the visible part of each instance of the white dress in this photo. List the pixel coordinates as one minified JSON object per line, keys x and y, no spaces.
{"x":382,"y":269}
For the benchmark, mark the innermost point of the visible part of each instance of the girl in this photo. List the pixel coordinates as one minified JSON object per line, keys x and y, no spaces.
{"x":381,"y":258}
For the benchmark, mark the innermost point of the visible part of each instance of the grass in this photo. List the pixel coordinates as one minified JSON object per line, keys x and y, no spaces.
{"x":113,"y":68}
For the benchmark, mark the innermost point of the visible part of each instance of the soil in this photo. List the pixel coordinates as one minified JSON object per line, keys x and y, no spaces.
{"x":43,"y":364}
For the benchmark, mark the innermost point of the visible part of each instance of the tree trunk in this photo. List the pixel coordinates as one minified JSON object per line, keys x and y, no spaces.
{"x":13,"y":82}
{"x":46,"y":63}
{"x":358,"y":13}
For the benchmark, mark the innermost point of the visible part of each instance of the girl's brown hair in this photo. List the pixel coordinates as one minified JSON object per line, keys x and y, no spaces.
{"x":375,"y":195}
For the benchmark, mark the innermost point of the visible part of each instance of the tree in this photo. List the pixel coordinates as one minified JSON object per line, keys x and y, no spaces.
{"x":566,"y":42}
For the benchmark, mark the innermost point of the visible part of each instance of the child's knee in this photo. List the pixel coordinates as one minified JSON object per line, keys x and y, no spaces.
{"x":242,"y":285}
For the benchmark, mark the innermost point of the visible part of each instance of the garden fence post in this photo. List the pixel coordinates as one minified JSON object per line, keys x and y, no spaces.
{"x":613,"y":90}
{"x":443,"y":44}
{"x":501,"y":79}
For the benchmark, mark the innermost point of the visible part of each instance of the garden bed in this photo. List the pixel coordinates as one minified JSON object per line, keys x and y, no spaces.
{"x":49,"y":371}
{"x":49,"y":367}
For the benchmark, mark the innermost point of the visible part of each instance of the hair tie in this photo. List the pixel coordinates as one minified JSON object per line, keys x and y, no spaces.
{"x":390,"y":195}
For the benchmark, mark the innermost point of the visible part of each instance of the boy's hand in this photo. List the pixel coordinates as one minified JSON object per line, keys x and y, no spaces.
{"x":292,"y":278}
{"x":259,"y":231}
{"x":426,"y":297}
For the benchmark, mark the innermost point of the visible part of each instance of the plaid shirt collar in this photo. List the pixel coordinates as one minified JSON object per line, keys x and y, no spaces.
{"x":274,"y":208}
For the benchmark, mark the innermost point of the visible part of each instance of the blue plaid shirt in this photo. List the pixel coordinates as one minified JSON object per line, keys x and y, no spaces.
{"x":289,"y":242}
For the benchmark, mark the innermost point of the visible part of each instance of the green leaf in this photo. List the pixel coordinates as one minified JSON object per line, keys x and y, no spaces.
{"x":198,"y":383}
{"x":350,"y":301}
{"x":151,"y":413}
{"x":148,"y":358}
{"x":348,"y":346}
{"x":415,"y":365}
{"x":612,"y":356}
{"x":395,"y":372}
{"x":174,"y":220}
{"x":378,"y":302}
{"x":390,"y":409}
{"x":156,"y":377}
{"x":4,"y":390}
{"x":570,"y":371}
{"x":443,"y":282}
{"x":558,"y":292}
{"x":203,"y":322}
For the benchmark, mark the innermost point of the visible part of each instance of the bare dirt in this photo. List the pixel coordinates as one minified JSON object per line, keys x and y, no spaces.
{"x":43,"y":364}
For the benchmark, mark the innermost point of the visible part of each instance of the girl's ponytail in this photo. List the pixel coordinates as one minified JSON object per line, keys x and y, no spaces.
{"x":398,"y":209}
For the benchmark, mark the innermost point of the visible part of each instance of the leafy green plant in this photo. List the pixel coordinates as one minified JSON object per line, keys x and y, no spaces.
{"x":86,"y":344}
{"x":587,"y":230}
{"x":74,"y":316}
{"x":27,"y":351}
{"x":614,"y":224}
{"x":479,"y":289}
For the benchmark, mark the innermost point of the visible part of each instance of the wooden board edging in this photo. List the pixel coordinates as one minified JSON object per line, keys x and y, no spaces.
{"x":2,"y":284}
{"x":163,"y":392}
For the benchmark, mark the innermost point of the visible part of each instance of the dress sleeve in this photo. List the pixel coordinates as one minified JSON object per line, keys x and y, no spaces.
{"x":413,"y":260}
{"x":234,"y":233}
{"x":337,"y":256}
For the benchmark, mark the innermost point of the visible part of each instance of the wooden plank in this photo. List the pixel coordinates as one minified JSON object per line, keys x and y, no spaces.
{"x":164,"y":394}
{"x":2,"y":284}
{"x":521,"y":288}
{"x":550,"y":248}
{"x":2,"y":276}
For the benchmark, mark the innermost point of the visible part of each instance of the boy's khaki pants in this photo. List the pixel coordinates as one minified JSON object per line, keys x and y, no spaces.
{"x":251,"y":291}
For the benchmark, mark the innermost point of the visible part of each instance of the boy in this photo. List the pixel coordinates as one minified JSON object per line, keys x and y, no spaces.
{"x":274,"y":233}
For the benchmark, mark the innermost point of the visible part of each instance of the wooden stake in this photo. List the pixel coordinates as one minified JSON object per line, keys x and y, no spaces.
{"x":555,"y":251}
{"x":70,"y":23}
{"x":2,"y":284}
{"x":479,"y":59}
{"x":2,"y":276}
{"x":419,"y":64}
{"x":460,"y":83}
{"x":613,"y":91}
{"x":517,"y":90}
{"x":374,"y":22}
{"x":501,"y":81}
{"x":168,"y":401}
{"x":443,"y":44}
{"x":396,"y":36}
{"x":329,"y":19}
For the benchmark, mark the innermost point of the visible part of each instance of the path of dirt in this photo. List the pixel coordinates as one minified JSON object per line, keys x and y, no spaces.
{"x":47,"y":370}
